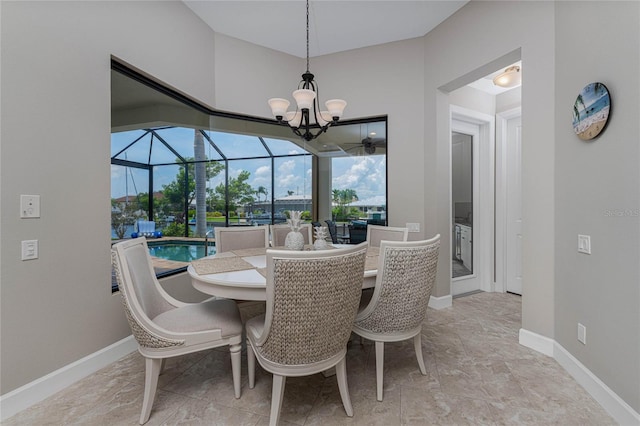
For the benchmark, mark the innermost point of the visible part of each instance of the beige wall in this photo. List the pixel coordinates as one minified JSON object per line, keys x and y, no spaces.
{"x":455,"y":50}
{"x":598,"y":193}
{"x":55,"y":132}
{"x":55,"y":110}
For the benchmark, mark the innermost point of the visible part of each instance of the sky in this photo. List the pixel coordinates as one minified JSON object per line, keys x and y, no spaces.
{"x":365,"y":174}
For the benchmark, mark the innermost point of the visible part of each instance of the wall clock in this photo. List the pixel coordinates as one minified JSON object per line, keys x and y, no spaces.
{"x":591,"y":111}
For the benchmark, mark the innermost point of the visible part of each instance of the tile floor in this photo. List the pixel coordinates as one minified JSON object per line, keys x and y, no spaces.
{"x":477,"y":374}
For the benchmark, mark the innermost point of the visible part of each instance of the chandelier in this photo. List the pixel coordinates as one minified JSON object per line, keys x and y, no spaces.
{"x":307,"y":118}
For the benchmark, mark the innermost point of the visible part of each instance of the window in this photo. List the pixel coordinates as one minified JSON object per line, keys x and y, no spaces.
{"x":187,"y":169}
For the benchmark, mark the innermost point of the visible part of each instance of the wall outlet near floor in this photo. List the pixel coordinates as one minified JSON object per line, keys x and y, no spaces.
{"x":584,"y":244}
{"x":413,"y":227}
{"x":582,"y":334}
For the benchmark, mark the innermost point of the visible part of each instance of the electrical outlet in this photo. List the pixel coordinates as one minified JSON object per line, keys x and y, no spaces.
{"x":584,"y":244}
{"x":582,"y":334}
{"x":29,"y":206}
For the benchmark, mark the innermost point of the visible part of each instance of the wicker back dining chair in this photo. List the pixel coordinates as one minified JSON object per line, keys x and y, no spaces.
{"x":398,"y":306}
{"x":312,"y":300}
{"x":165,"y":327}
{"x":377,"y":233}
{"x":279,"y":234}
{"x":241,"y":237}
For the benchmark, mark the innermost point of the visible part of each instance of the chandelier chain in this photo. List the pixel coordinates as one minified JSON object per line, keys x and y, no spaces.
{"x":307,"y":117}
{"x":307,"y":35}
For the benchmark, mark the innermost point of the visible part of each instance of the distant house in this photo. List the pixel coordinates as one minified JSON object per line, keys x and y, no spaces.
{"x":120,"y":202}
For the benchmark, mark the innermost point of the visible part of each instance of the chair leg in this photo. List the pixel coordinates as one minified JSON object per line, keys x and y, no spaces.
{"x":164,"y":364}
{"x":341,"y":375}
{"x":379,"y":369}
{"x":236,"y":364}
{"x":277,"y":394}
{"x":251,"y":365}
{"x":152,"y":371}
{"x":417,"y":343}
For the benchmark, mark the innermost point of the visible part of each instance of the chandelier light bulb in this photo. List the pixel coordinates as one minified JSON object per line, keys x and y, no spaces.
{"x":336,"y":107}
{"x":278,"y":106}
{"x":304,"y":98}
{"x":294,"y":118}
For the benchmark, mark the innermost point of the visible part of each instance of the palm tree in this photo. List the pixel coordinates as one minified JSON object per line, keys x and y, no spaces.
{"x":201,"y":184}
{"x":262,"y":190}
{"x":344,"y":197}
{"x":577,"y":103}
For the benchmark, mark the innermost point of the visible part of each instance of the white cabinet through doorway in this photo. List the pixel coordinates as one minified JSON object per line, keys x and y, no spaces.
{"x":466,"y":251}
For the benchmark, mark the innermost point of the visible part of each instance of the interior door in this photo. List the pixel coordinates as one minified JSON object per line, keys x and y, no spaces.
{"x":514,"y":206}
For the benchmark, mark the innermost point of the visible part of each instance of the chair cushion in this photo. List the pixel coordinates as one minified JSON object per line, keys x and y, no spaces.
{"x":209,"y":315}
{"x":255,"y":326}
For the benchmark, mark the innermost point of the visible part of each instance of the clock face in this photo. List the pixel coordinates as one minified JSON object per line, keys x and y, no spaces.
{"x":591,"y":111}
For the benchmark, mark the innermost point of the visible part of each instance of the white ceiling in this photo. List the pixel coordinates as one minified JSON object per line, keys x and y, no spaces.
{"x":335,"y":26}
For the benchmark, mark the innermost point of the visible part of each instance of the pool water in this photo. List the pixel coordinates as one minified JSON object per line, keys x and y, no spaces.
{"x":180,"y":251}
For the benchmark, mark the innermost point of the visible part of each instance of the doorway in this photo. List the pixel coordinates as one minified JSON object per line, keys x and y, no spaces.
{"x":509,"y":202}
{"x":472,"y":200}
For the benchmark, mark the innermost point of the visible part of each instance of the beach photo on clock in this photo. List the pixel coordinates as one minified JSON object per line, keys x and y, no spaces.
{"x":591,"y":111}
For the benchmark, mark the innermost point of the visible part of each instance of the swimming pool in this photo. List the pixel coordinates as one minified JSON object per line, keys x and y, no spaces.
{"x":181,"y":251}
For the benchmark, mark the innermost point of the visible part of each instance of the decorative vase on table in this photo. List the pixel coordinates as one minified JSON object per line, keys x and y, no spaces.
{"x":294,"y":239}
{"x":321,"y":238}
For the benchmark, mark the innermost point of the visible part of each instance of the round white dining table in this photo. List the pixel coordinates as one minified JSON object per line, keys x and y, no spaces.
{"x":251,"y":284}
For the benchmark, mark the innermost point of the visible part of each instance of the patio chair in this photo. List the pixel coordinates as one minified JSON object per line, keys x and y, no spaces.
{"x":398,"y":306}
{"x":146,"y":228}
{"x":279,"y":234}
{"x":357,"y":234}
{"x":377,"y":233}
{"x":333,"y":231}
{"x":312,"y":299}
{"x":165,"y":327}
{"x":241,"y":237}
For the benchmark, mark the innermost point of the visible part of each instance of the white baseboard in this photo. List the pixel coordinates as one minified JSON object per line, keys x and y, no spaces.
{"x":536,"y":342}
{"x":31,"y":393}
{"x":608,"y":399}
{"x":621,"y":412}
{"x":441,"y":302}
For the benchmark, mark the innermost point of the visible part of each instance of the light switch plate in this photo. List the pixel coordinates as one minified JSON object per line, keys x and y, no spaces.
{"x":29,"y":249}
{"x":413,"y":227}
{"x":29,"y":206}
{"x":584,"y":244}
